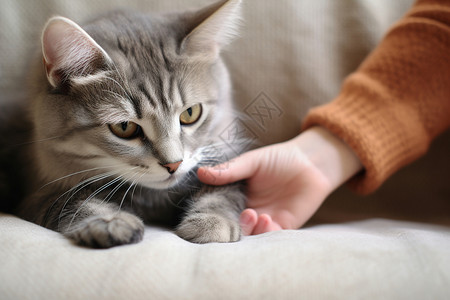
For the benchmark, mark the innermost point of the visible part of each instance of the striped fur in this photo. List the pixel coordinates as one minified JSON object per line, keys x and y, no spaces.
{"x":97,"y":188}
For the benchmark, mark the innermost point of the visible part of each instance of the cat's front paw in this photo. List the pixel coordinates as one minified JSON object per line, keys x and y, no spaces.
{"x":208,"y":228}
{"x":107,"y":231}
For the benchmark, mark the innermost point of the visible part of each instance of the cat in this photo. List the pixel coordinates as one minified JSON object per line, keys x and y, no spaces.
{"x":124,"y":111}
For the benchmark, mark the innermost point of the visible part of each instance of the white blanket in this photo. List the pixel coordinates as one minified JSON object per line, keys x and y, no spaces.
{"x":374,"y":259}
{"x":294,"y":54}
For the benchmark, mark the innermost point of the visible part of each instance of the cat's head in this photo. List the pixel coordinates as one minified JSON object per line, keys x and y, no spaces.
{"x":138,"y":95}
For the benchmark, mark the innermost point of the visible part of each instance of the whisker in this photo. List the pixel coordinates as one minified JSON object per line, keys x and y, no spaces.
{"x":36,"y":141}
{"x":85,"y":183}
{"x":116,"y":95}
{"x":121,"y":78}
{"x":77,"y":173}
{"x":113,"y":191}
{"x":126,"y":192}
{"x":96,"y":192}
{"x":118,"y":84}
{"x":134,"y":189}
{"x":111,"y":194}
{"x":74,"y":190}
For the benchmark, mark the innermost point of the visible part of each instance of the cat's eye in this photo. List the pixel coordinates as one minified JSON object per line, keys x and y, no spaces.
{"x":191,"y":115}
{"x":125,"y":130}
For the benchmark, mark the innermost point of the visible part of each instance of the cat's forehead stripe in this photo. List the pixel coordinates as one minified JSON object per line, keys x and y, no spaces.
{"x":181,"y":92}
{"x":137,"y":106}
{"x":143,"y":89}
{"x":159,"y":87}
{"x":174,"y":86}
{"x":167,"y":62}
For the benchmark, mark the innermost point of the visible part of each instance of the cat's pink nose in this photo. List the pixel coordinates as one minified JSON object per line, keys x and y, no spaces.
{"x":172,"y":167}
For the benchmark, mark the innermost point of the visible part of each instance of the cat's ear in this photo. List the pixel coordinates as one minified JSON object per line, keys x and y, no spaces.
{"x":68,"y":51}
{"x":213,"y":27}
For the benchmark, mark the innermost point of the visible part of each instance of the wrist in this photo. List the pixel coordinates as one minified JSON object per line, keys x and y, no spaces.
{"x":331,"y":156}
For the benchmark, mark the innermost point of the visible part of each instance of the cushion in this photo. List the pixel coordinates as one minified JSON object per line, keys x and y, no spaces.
{"x":372,"y":259}
{"x":291,"y":55}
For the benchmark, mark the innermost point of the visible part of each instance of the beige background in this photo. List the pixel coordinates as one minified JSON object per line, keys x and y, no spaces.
{"x":291,"y":54}
{"x":295,"y":52}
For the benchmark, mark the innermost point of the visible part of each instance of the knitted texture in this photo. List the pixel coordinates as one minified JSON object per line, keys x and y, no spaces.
{"x":398,"y":100}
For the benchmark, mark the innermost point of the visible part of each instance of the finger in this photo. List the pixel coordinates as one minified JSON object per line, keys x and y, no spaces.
{"x":265,"y":224}
{"x":242,"y":167}
{"x":248,"y":220}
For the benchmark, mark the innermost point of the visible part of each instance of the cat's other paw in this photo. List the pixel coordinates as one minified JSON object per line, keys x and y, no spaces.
{"x":208,"y":228}
{"x":107,"y":231}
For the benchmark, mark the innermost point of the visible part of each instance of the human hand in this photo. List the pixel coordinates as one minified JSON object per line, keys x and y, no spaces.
{"x":284,"y":188}
{"x":286,"y":182}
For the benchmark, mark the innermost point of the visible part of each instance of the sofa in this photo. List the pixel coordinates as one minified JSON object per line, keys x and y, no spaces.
{"x":291,"y":55}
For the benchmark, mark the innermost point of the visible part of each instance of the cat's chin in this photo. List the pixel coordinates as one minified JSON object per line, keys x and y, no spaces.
{"x":163,"y":180}
{"x":169,"y":182}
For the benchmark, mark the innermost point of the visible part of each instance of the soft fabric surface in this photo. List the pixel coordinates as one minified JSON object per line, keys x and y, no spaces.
{"x":292,"y":54}
{"x":374,"y":259}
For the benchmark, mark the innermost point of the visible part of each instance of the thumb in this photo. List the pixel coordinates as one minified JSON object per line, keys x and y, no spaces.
{"x":242,"y":167}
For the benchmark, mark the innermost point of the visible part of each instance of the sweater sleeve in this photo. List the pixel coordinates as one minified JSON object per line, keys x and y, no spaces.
{"x":398,"y":100}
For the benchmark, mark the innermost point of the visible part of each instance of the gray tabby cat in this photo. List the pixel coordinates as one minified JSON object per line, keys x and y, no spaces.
{"x":126,"y":110}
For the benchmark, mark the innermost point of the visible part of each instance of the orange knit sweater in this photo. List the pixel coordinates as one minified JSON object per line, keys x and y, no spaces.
{"x":398,"y":100}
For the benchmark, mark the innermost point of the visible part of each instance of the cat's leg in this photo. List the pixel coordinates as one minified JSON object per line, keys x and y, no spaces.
{"x":213,"y":216}
{"x":102,"y":225}
{"x":89,"y":222}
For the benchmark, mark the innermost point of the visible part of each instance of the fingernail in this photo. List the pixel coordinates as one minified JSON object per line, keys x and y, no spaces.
{"x":206,"y":174}
{"x":245,"y":219}
{"x":202,"y":171}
